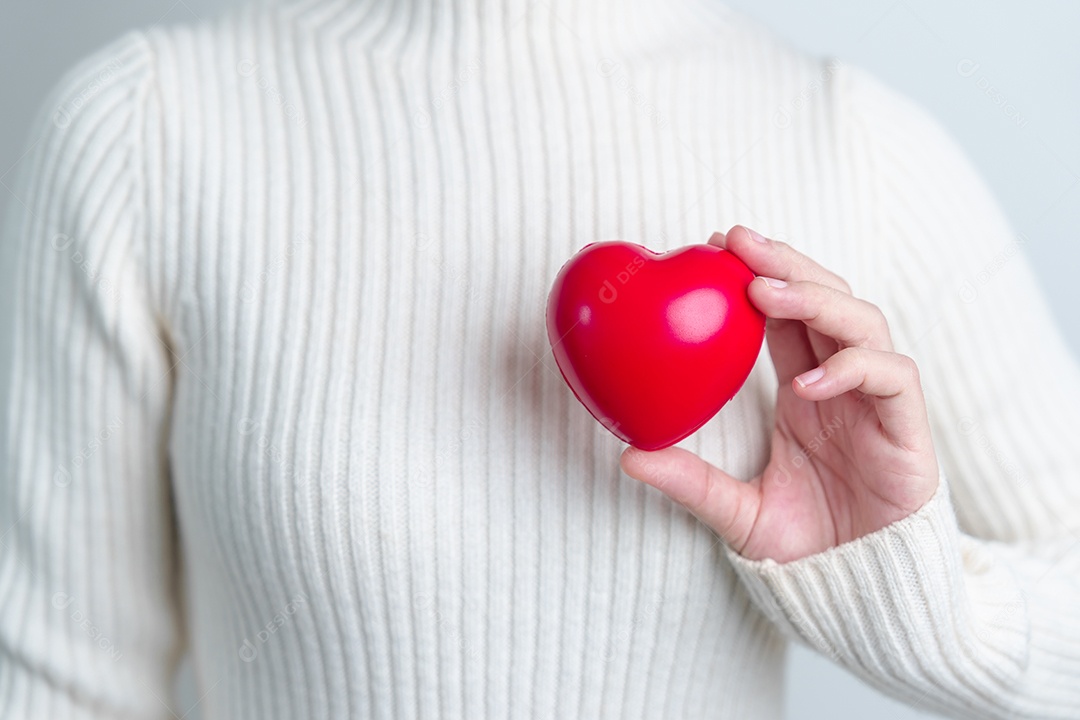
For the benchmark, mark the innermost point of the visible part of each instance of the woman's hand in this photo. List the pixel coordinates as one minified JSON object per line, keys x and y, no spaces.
{"x":851,"y":448}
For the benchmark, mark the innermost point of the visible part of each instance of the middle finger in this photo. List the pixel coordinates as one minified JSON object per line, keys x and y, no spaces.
{"x":848,"y":320}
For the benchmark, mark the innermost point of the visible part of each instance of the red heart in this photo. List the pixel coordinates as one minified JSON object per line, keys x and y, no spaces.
{"x":653,"y":345}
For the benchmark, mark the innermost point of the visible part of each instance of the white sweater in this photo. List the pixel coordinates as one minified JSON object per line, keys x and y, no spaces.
{"x":280,"y":391}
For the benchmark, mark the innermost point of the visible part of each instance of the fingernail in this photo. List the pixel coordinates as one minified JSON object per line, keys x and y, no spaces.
{"x":773,"y":282}
{"x":810,"y":376}
{"x":758,"y":237}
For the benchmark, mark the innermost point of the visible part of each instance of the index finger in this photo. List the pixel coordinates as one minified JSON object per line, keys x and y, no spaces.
{"x":774,"y":258}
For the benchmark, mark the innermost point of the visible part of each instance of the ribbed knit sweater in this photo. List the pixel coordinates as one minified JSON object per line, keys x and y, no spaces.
{"x":279,"y":391}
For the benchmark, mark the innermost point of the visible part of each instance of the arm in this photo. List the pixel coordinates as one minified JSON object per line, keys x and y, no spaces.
{"x":90,"y":626}
{"x":971,"y":611}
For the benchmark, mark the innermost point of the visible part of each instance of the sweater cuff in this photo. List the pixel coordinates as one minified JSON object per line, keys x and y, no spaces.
{"x":898,"y":605}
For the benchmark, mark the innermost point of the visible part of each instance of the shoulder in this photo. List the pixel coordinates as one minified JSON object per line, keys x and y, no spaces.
{"x":87,"y":115}
{"x":177,"y":64}
{"x":880,"y":114}
{"x":922,"y":175}
{"x":77,"y":174}
{"x":106,"y":78}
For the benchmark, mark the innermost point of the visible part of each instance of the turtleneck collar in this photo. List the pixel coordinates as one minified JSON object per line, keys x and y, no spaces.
{"x":605,"y":24}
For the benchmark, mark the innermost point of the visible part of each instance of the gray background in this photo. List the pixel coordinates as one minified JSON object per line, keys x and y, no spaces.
{"x":1024,"y":139}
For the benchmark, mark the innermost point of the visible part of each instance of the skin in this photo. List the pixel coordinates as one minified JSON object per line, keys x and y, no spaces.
{"x":851,"y":451}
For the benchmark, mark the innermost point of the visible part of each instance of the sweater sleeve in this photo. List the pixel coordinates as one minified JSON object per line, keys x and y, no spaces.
{"x":969,"y":606}
{"x":90,"y":626}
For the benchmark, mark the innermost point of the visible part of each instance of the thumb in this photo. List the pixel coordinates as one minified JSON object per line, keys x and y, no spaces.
{"x":722,"y":502}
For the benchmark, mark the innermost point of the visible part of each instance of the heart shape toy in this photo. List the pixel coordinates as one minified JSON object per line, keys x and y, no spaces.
{"x":652,"y":344}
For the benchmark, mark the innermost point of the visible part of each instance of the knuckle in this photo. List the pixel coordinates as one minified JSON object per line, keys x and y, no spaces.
{"x":729,"y":528}
{"x":796,"y":262}
{"x":910,"y":368}
{"x":812,"y":308}
{"x":880,"y":319}
{"x":705,"y":489}
{"x":835,"y":296}
{"x":828,"y":303}
{"x":864,"y":339}
{"x":854,"y":358}
{"x":879,"y":322}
